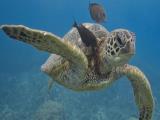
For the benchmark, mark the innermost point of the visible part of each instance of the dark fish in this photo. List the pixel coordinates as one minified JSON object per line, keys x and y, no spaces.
{"x":88,"y":38}
{"x":97,"y":12}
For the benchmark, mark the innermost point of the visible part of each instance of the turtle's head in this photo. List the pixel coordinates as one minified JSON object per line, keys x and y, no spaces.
{"x":119,"y":47}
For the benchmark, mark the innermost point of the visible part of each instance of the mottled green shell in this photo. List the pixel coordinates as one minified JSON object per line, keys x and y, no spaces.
{"x":98,"y":30}
{"x":73,"y":36}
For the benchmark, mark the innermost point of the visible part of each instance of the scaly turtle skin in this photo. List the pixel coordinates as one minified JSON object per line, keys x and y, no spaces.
{"x":71,"y":63}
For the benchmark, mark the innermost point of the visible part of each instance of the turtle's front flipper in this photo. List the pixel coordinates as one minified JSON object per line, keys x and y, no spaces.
{"x":142,"y":91}
{"x":49,"y":42}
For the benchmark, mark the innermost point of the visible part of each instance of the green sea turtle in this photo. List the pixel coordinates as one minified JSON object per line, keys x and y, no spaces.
{"x":71,"y":64}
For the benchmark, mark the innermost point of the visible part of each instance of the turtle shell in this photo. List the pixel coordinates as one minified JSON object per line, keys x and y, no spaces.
{"x":73,"y":36}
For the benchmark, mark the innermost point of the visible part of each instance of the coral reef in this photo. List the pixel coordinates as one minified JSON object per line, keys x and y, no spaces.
{"x":50,"y":110}
{"x":25,"y":97}
{"x":7,"y":113}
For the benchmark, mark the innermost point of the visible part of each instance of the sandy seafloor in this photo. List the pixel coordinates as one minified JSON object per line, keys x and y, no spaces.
{"x":23,"y":87}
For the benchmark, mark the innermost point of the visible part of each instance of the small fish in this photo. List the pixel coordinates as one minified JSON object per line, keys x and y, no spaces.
{"x":97,"y":12}
{"x":88,"y":38}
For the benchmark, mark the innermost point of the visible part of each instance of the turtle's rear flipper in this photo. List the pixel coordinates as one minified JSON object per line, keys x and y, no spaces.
{"x":46,"y":41}
{"x":142,"y":91}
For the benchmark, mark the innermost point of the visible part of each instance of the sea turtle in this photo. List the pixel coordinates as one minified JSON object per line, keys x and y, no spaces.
{"x":71,"y":64}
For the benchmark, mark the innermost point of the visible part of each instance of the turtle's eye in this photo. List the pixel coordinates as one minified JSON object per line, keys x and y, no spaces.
{"x":121,"y":39}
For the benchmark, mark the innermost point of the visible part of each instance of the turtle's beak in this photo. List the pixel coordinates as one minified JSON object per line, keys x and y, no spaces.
{"x":129,"y":48}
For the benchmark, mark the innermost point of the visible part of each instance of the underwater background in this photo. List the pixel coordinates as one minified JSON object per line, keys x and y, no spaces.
{"x":24,"y":88}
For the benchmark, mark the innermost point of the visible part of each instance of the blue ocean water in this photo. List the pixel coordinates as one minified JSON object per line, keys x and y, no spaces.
{"x":23,"y":88}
